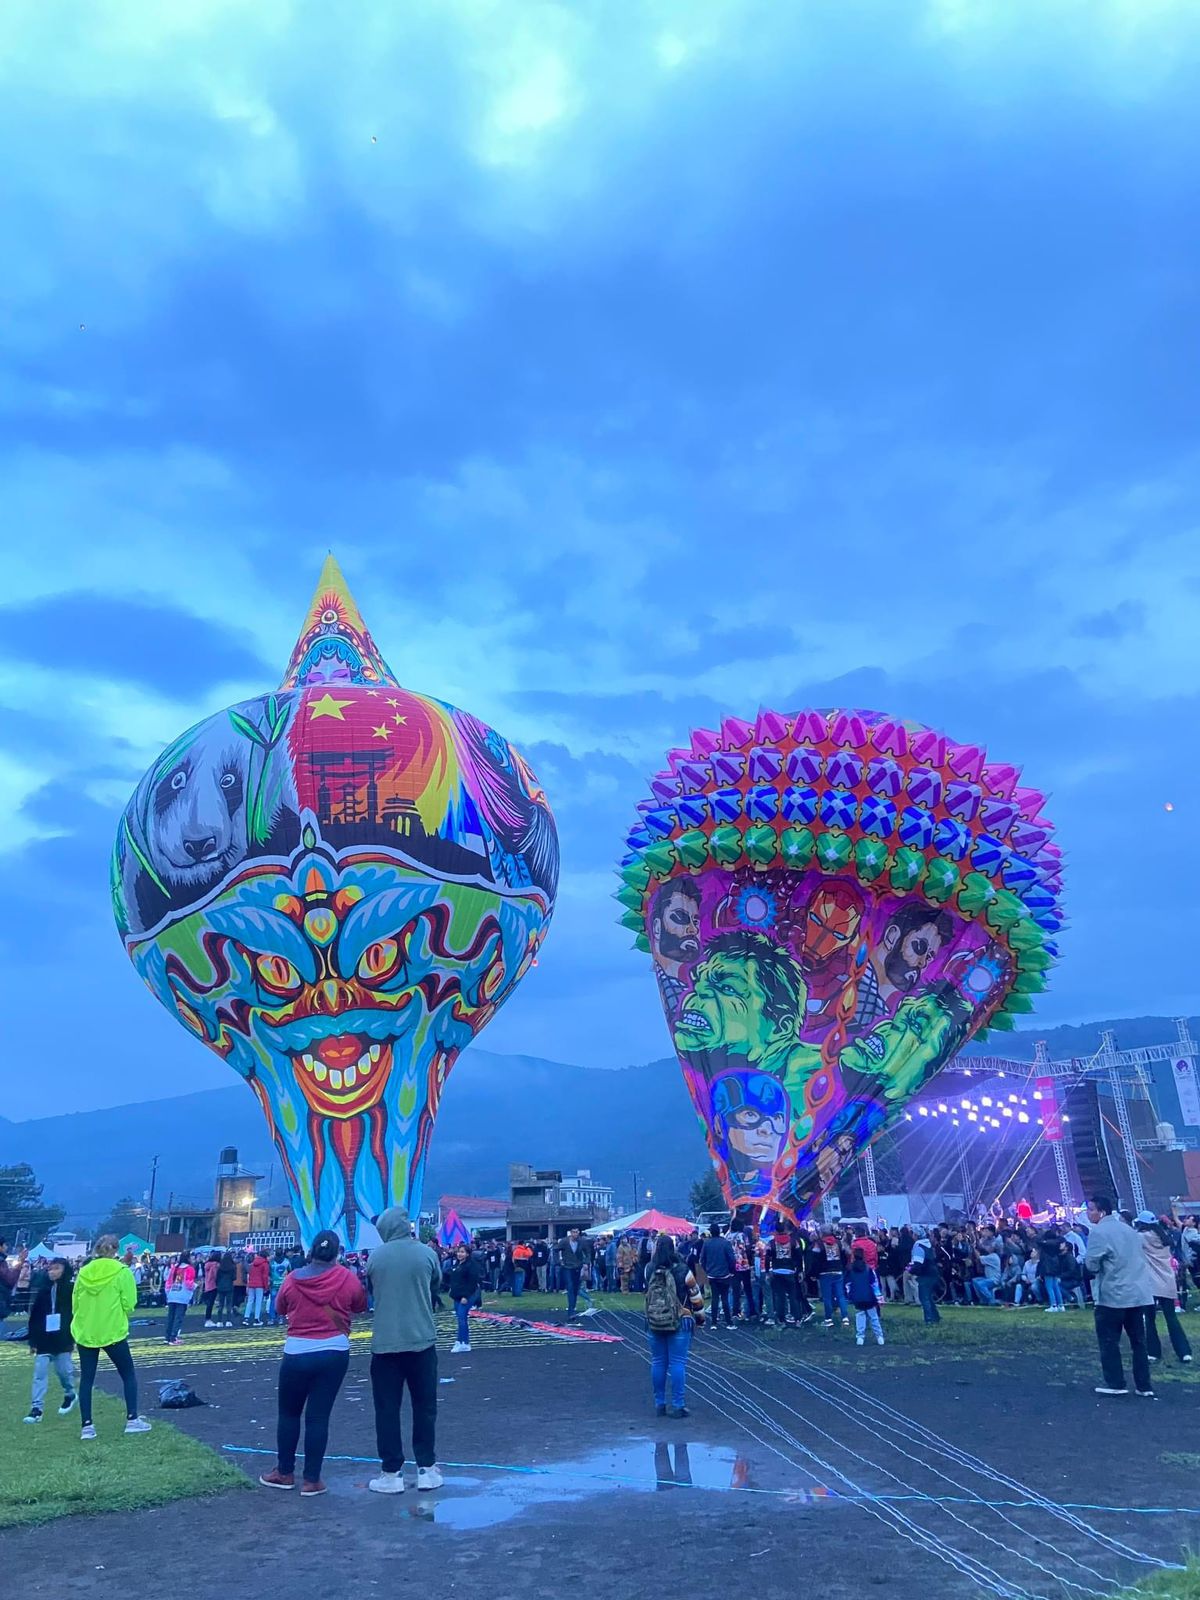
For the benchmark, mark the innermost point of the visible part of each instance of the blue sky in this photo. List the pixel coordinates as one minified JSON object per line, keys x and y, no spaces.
{"x":640,"y":364}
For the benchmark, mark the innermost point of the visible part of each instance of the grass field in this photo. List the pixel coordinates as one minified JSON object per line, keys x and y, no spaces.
{"x":47,"y":1472}
{"x":1170,"y":1586}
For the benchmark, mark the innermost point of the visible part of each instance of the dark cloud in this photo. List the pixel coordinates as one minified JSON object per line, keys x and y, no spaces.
{"x":134,"y":641}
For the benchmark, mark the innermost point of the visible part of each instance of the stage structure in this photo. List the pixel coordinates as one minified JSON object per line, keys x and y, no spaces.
{"x":1103,"y":1120}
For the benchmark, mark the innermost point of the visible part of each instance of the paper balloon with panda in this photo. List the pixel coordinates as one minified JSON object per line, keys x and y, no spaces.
{"x":335,"y":886}
{"x":835,"y":902}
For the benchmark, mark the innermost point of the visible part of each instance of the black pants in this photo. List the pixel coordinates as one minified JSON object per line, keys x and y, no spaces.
{"x":788,"y":1297}
{"x":722,"y":1299}
{"x":1111,"y":1322}
{"x":118,"y":1354}
{"x":743,"y":1294}
{"x":210,"y":1296}
{"x":389,"y":1374}
{"x":1179,"y":1339}
{"x":308,"y":1386}
{"x":224,"y":1305}
{"x":175,"y":1315}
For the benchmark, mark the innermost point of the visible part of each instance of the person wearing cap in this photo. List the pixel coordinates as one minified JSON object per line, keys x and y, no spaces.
{"x":1122,"y":1290}
{"x":1156,"y":1242}
{"x":318,"y":1300}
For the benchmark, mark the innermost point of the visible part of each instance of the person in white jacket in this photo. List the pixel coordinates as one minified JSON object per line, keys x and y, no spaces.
{"x":1156,"y":1242}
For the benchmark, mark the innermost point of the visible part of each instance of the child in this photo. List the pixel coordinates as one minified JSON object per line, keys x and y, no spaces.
{"x":50,"y":1338}
{"x":863,"y":1293}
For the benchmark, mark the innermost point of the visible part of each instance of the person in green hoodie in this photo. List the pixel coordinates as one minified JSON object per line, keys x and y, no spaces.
{"x":105,"y":1294}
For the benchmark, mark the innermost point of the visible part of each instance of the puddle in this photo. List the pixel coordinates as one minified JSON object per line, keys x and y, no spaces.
{"x":474,"y":1497}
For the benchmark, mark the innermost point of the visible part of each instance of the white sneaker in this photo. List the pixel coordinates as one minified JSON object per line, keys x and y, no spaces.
{"x":429,"y":1477}
{"x":138,"y":1425}
{"x":88,"y":1431}
{"x":458,"y":1348}
{"x":229,"y":1324}
{"x":210,"y":1324}
{"x":859,"y":1341}
{"x":387,"y":1483}
{"x":1101,"y":1389}
{"x":880,"y":1340}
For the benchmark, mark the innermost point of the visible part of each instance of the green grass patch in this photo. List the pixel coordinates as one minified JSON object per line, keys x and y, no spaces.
{"x":1183,"y":1585}
{"x":46,"y":1471}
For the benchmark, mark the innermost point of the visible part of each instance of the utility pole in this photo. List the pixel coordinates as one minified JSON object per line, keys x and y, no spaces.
{"x":634,"y":1207}
{"x":150,"y":1199}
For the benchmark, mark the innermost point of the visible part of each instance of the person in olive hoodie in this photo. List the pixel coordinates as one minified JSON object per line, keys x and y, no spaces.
{"x":50,"y":1338}
{"x":405,"y":1277}
{"x":105,"y":1293}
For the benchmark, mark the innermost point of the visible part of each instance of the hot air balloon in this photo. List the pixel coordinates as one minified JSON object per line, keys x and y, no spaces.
{"x":835,"y":902}
{"x":335,"y":887}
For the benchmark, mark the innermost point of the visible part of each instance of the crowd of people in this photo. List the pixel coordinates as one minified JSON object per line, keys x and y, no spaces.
{"x":1132,"y":1269}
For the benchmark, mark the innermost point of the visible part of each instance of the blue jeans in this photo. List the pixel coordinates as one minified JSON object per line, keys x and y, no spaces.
{"x":461,"y":1310}
{"x":1054,"y":1290}
{"x":925,"y":1292}
{"x":831,"y":1287}
{"x":64,"y":1371}
{"x":985,"y":1289}
{"x":518,"y":1280}
{"x":668,"y":1356}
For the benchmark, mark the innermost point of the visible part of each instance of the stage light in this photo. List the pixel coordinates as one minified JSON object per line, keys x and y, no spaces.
{"x":908,"y":1116}
{"x":985,"y":1099}
{"x":1022,"y":1116}
{"x":995,"y":1121}
{"x":1012,"y":1099}
{"x":966,"y":1072}
{"x":1037,"y":1094}
{"x":1007,"y":1111}
{"x":924,"y":1111}
{"x":966,"y":1105}
{"x":1066,"y":1119}
{"x":941,"y":1107}
{"x":971,"y":1117}
{"x":1024,"y":1102}
{"x":956,"y":1122}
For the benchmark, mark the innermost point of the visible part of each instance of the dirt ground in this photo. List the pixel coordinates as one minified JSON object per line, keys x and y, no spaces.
{"x":940,"y":1466}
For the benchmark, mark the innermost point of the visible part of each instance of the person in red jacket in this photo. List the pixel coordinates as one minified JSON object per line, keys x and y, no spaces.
{"x":258,"y":1281}
{"x":318,"y":1301}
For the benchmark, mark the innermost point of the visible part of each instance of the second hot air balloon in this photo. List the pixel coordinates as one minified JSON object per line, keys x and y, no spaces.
{"x":335,"y":886}
{"x":835,"y":901}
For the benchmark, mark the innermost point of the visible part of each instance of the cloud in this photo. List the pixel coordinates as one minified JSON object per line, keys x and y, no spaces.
{"x":128,"y":640}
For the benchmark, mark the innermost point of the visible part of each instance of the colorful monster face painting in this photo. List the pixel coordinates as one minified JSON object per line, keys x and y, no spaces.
{"x":835,"y":903}
{"x":335,"y":887}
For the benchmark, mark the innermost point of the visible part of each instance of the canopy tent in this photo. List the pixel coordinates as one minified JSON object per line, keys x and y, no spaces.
{"x":648,"y":1221}
{"x":41,"y":1252}
{"x":140,"y":1246}
{"x":453,"y":1231}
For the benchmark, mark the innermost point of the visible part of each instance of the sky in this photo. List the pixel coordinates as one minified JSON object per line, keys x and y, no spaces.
{"x":640,"y":365}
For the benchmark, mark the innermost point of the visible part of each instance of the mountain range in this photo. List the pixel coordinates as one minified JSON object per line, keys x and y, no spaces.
{"x":634,"y":1128}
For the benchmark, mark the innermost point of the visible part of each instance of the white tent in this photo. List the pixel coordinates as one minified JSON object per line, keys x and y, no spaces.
{"x":41,"y":1253}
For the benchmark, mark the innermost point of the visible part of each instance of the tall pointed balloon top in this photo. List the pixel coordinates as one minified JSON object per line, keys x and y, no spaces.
{"x":334,"y":644}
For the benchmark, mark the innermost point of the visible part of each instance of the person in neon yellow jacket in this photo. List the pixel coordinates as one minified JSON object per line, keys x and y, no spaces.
{"x":105,"y":1294}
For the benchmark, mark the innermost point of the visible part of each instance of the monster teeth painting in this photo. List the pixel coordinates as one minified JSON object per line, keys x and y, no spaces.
{"x":833,"y":910}
{"x":336,"y":885}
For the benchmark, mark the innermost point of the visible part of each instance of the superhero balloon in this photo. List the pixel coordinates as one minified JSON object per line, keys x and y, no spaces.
{"x":835,"y":902}
{"x":335,"y":886}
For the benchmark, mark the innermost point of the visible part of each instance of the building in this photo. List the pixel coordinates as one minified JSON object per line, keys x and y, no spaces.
{"x":580,"y":1190}
{"x":236,"y":1217}
{"x":543,"y":1206}
{"x":478,"y":1214}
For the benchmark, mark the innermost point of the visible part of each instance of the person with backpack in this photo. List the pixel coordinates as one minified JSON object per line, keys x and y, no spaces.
{"x":181,"y":1285}
{"x":50,"y":1338}
{"x":864,"y":1294}
{"x":923,"y":1269}
{"x":674,"y":1309}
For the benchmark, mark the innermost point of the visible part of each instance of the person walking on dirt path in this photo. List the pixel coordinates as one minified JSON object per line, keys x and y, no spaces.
{"x":674,"y":1309}
{"x":463,"y":1284}
{"x":180,"y":1287}
{"x":318,"y":1300}
{"x":405,"y":1277}
{"x":719,"y":1263}
{"x":50,"y":1338}
{"x":1122,"y":1290}
{"x":104,"y":1294}
{"x":575,"y":1262}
